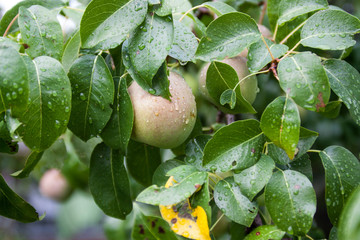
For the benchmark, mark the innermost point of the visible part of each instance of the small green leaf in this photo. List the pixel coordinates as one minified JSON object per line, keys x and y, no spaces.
{"x":173,"y":6}
{"x":71,"y":51}
{"x":221,"y":77}
{"x":350,"y":217}
{"x":142,"y":161}
{"x":227,"y":36}
{"x":30,"y":164}
{"x":330,"y":30}
{"x":233,"y":204}
{"x":228,"y":97}
{"x":117,"y":131}
{"x":280,"y":122}
{"x":151,"y":228}
{"x":253,"y":179}
{"x":345,"y":82}
{"x":6,"y":42}
{"x":219,"y":8}
{"x":195,"y":151}
{"x":159,"y":177}
{"x":265,"y":232}
{"x":181,"y":172}
{"x":48,"y":112}
{"x":185,"y":44}
{"x":236,"y":146}
{"x":259,"y":56}
{"x":179,"y":192}
{"x":303,"y":77}
{"x":109,"y":27}
{"x":150,"y":44}
{"x":14,"y":207}
{"x":41,"y":31}
{"x":290,"y":9}
{"x":109,"y":183}
{"x":294,"y":192}
{"x":332,"y":109}
{"x":14,"y":83}
{"x":202,"y":198}
{"x":341,"y":178}
{"x":93,"y":93}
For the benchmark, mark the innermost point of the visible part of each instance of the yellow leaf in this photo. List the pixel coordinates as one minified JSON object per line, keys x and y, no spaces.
{"x":186,"y":221}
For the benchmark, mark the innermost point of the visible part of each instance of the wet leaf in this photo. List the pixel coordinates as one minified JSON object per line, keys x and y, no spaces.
{"x":219,"y":8}
{"x":303,"y":77}
{"x":341,"y":178}
{"x":259,"y":56}
{"x":41,"y":31}
{"x":117,"y":131}
{"x":202,"y":198}
{"x":179,"y":192}
{"x":48,"y":112}
{"x":253,"y":179}
{"x":265,"y":232}
{"x":93,"y":94}
{"x":6,"y":42}
{"x":71,"y":51}
{"x":236,"y":146}
{"x":173,"y":6}
{"x":30,"y":164}
{"x":142,"y":161}
{"x":330,"y":30}
{"x":345,"y":82}
{"x":280,"y":122}
{"x":109,"y":27}
{"x":227,"y":36}
{"x":233,"y":203}
{"x":294,"y":192}
{"x":109,"y":182}
{"x":159,"y":177}
{"x":290,"y":9}
{"x":303,"y":165}
{"x":332,"y":109}
{"x":195,"y":151}
{"x":181,"y":172}
{"x":14,"y":207}
{"x":228,"y":97}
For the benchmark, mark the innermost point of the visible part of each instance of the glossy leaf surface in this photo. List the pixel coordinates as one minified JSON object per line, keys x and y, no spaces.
{"x":265,"y":232}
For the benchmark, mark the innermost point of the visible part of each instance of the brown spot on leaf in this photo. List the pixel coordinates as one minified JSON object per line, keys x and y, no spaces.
{"x":174,"y":220}
{"x":26,"y":46}
{"x":197,"y":186}
{"x":142,"y":230}
{"x":161,"y":230}
{"x":321,"y":104}
{"x":257,"y":233}
{"x":153,"y":224}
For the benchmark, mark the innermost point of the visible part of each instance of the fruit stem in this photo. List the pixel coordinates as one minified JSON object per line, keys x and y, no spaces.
{"x":188,"y":11}
{"x":267,"y":46}
{"x":217,"y":221}
{"x":252,"y":74}
{"x":275,"y":32}
{"x":10,"y":24}
{"x":263,"y":12}
{"x":292,"y":32}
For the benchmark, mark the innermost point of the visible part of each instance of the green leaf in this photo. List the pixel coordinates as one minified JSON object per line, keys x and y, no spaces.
{"x":159,"y":177}
{"x":333,"y":235}
{"x":71,"y":51}
{"x":303,"y":165}
{"x":93,"y":93}
{"x":273,"y":12}
{"x":202,"y":198}
{"x":290,"y":9}
{"x":303,"y":77}
{"x":181,"y":172}
{"x":150,"y":44}
{"x":280,"y":122}
{"x":14,"y":85}
{"x":236,"y":146}
{"x":219,"y":8}
{"x":227,"y":36}
{"x":330,"y":30}
{"x":142,"y":161}
{"x":155,"y":195}
{"x":253,"y":179}
{"x":151,"y":228}
{"x":173,"y":6}
{"x":265,"y":232}
{"x":10,"y":14}
{"x":345,"y":82}
{"x":221,"y":77}
{"x":30,"y":164}
{"x":259,"y":56}
{"x":195,"y":151}
{"x":228,"y":97}
{"x":6,"y":42}
{"x":350,"y":217}
{"x":117,"y":131}
{"x":341,"y":178}
{"x":48,"y":112}
{"x":233,"y":204}
{"x":109,"y":183}
{"x":14,"y":207}
{"x":41,"y":31}
{"x":108,"y":27}
{"x":332,"y":109}
{"x":185,"y":44}
{"x":292,"y":191}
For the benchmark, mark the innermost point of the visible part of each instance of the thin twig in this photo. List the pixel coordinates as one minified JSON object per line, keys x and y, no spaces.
{"x":263,"y":12}
{"x":10,"y":25}
{"x":252,"y":74}
{"x":314,"y":151}
{"x":289,"y":52}
{"x":292,"y":32}
{"x":217,"y":221}
{"x":188,"y":11}
{"x":309,"y":237}
{"x":275,"y":32}
{"x":267,"y":46}
{"x":75,"y":9}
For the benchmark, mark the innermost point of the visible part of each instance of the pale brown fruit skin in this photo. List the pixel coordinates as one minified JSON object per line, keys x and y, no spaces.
{"x":248,"y":86}
{"x":54,"y":185}
{"x":159,"y":122}
{"x":265,"y":32}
